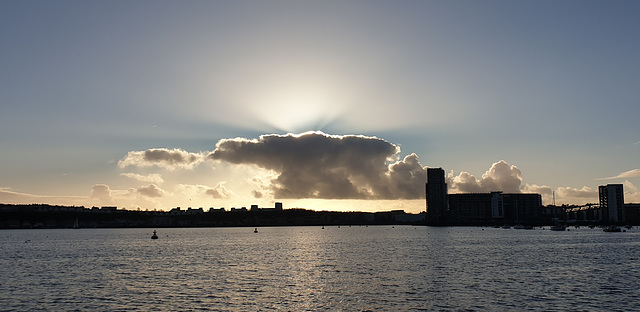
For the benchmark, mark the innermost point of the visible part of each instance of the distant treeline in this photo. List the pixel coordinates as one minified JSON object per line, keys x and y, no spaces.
{"x":50,"y":216}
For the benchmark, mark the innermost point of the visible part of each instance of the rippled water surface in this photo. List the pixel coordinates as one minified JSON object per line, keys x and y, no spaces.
{"x":401,"y":268}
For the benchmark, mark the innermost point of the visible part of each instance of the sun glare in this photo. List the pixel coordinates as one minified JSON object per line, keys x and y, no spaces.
{"x":297,"y":109}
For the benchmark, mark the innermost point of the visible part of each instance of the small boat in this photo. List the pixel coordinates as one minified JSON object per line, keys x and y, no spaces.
{"x":558,"y":227}
{"x":592,"y":226}
{"x":255,"y":230}
{"x":518,"y":227}
{"x":611,"y":228}
{"x":628,"y":226}
{"x":155,"y":235}
{"x":506,"y":226}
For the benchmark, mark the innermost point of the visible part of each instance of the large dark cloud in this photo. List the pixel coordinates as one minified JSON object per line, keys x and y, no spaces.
{"x":318,"y":165}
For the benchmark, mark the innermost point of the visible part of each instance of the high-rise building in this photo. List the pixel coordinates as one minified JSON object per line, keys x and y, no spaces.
{"x":495,"y":208}
{"x":436,"y":196}
{"x":470,"y":209}
{"x":522,"y":208}
{"x":611,"y":203}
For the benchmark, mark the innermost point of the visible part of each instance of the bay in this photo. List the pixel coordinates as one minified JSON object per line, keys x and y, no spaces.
{"x":375,"y":268}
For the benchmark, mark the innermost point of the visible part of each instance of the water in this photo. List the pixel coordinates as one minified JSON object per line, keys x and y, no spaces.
{"x":385,"y":268}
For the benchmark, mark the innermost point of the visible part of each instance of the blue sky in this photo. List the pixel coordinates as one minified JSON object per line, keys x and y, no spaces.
{"x":550,"y":87}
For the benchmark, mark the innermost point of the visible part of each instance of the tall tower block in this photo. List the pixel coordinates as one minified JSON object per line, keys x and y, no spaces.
{"x":612,"y":203}
{"x":436,"y":196}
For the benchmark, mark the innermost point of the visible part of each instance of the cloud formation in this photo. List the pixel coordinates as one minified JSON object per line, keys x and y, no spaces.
{"x":500,"y":177}
{"x":256,"y":194}
{"x":8,"y":196}
{"x":315,"y":165}
{"x":318,"y":165}
{"x":169,"y":159}
{"x":151,"y":178}
{"x":572,"y":192}
{"x":217,"y":192}
{"x":628,"y":174}
{"x":102,"y":194}
{"x":632,"y":192}
{"x":151,"y":190}
{"x":544,"y":190}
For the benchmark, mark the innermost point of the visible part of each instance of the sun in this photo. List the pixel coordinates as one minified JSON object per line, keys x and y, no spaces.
{"x":298,"y":108}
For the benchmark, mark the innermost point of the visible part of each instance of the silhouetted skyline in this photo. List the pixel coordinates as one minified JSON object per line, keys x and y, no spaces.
{"x":332,"y":105}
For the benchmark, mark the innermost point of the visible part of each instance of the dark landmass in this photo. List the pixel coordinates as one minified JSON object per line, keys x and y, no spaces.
{"x":50,"y":217}
{"x":44,"y":216}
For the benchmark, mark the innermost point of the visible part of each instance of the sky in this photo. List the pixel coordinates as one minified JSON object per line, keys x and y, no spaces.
{"x":325,"y":105}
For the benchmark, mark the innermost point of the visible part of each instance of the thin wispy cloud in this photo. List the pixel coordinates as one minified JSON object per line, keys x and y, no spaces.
{"x":151,"y":178}
{"x":635,"y":173}
{"x":7,"y":195}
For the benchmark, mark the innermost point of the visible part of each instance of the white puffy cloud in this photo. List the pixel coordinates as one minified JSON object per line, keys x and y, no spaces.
{"x":318,"y":165}
{"x":500,"y":177}
{"x":170,"y":159}
{"x":584,"y":192}
{"x":572,"y":195}
{"x":631,"y":193}
{"x":544,"y":190}
{"x":102,"y":194}
{"x":151,"y":178}
{"x":464,"y":183}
